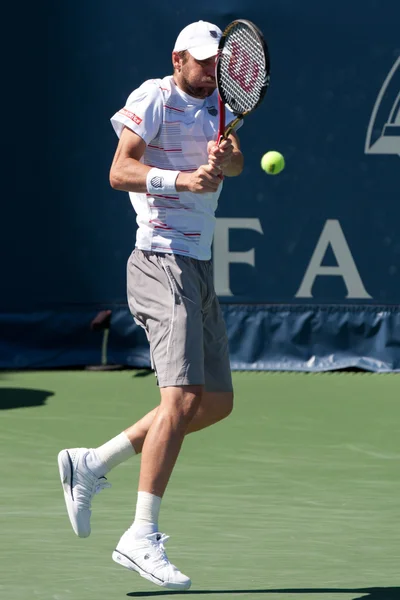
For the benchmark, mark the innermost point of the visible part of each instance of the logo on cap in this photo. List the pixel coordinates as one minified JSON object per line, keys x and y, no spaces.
{"x":214,"y":34}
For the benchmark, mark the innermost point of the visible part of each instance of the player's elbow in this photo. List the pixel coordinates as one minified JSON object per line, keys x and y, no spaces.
{"x":116,"y":179}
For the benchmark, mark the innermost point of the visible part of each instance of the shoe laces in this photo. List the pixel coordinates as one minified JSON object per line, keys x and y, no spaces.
{"x":157,"y":540}
{"x":101,"y":484}
{"x":84,"y":492}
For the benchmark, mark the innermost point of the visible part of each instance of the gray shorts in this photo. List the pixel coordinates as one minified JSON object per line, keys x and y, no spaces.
{"x":172,"y":297}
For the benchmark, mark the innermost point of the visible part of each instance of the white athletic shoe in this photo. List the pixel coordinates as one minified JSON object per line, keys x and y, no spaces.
{"x":80,"y":485}
{"x":147,"y":557}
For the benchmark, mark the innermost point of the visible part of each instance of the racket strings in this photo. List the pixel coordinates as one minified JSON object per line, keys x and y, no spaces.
{"x":243,"y":69}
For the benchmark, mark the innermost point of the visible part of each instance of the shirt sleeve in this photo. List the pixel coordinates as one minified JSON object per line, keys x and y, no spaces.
{"x":142,"y":112}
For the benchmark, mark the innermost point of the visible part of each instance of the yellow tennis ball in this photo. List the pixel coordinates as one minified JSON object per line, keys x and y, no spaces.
{"x":272,"y":162}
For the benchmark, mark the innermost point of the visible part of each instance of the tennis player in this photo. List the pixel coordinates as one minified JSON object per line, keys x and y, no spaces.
{"x":168,"y":160}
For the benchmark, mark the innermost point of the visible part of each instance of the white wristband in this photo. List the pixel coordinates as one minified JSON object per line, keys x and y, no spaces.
{"x":160,"y":181}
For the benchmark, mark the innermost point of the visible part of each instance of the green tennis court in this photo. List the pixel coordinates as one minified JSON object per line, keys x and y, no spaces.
{"x":295,"y":496}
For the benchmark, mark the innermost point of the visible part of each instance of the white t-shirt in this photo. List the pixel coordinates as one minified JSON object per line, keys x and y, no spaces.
{"x":176,"y":128}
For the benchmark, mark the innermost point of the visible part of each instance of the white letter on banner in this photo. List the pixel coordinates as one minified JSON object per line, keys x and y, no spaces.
{"x":223,"y":258}
{"x":332,"y":234}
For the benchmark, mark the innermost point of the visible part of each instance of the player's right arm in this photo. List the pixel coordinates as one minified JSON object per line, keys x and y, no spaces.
{"x":128,"y":174}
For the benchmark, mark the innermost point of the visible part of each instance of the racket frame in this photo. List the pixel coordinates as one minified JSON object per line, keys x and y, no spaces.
{"x":224,"y":132}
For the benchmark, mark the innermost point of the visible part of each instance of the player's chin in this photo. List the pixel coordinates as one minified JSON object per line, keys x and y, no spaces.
{"x":207,"y":87}
{"x":203,"y":93}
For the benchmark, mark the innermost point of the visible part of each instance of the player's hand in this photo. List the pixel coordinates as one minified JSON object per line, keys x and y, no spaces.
{"x":205,"y":179}
{"x":220,"y":155}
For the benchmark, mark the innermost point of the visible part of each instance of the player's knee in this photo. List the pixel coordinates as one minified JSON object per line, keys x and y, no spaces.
{"x":181,"y":402}
{"x":190,"y":400}
{"x":220,"y":405}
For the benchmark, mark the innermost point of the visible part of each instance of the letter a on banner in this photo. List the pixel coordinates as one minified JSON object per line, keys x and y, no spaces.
{"x":332,"y":234}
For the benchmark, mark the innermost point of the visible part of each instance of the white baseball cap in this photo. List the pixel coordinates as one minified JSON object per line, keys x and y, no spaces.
{"x":200,"y":39}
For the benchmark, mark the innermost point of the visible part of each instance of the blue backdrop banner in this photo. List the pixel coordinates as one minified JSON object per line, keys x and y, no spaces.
{"x":306,"y":263}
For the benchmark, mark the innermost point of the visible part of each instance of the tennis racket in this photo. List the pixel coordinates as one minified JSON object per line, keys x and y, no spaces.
{"x":242,"y":72}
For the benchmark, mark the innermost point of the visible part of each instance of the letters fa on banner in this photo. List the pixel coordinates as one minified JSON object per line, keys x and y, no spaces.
{"x":383,"y":134}
{"x":331,"y":235}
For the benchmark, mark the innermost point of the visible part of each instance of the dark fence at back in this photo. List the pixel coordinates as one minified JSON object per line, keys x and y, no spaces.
{"x":307,"y":263}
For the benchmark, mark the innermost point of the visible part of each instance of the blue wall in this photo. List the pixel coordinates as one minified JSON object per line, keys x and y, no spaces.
{"x":333,"y":110}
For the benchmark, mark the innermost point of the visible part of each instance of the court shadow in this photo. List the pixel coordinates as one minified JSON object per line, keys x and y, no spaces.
{"x":22,"y":398}
{"x":143,"y":373}
{"x":378,"y":593}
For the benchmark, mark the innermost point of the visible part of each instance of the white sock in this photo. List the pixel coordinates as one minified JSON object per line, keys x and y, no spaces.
{"x":114,"y":452}
{"x":146,"y":516}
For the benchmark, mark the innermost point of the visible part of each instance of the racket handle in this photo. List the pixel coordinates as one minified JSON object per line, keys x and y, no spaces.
{"x":221,"y":124}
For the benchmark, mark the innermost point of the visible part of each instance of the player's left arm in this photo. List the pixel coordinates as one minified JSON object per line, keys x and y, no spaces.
{"x":227,"y":156}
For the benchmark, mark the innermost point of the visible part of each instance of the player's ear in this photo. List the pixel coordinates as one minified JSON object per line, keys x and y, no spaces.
{"x":176,"y":61}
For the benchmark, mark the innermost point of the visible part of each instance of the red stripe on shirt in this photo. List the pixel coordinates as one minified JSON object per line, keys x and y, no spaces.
{"x":173,"y":108}
{"x":164,"y":149}
{"x":161,"y":196}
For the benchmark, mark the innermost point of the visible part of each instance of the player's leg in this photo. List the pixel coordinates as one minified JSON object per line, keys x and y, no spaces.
{"x":182,"y":409}
{"x":161,"y":448}
{"x":174,"y":322}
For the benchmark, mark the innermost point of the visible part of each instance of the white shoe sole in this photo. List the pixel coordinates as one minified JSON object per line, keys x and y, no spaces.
{"x":65,"y":469}
{"x":126,"y":562}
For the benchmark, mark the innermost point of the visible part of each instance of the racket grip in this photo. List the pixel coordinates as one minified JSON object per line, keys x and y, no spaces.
{"x":221,"y":123}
